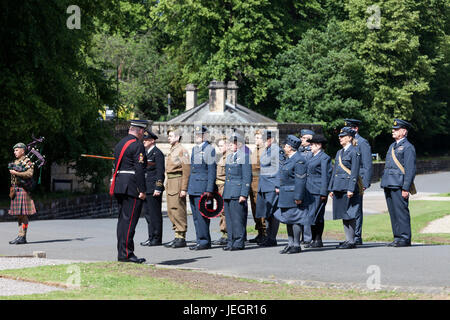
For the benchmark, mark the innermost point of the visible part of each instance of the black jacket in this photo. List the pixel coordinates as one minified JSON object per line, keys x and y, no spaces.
{"x":154,"y":173}
{"x":133,"y":161}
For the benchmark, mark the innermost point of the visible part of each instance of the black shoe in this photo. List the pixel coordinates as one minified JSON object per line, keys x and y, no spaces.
{"x":199,"y":247}
{"x":155,"y":243}
{"x":358,"y":242}
{"x":133,"y":259}
{"x":226,"y":248}
{"x":170,"y":244}
{"x":346,"y":245}
{"x":285,"y":250}
{"x":236,"y":248}
{"x":294,"y":250}
{"x":258,"y":239}
{"x":179,"y":243}
{"x":19,"y":240}
{"x":220,"y":242}
{"x":342,"y":242}
{"x":392,"y":244}
{"x":309,"y":244}
{"x":14,"y":241}
{"x":316,"y":244}
{"x":146,"y":242}
{"x":268,"y":243}
{"x":399,"y":244}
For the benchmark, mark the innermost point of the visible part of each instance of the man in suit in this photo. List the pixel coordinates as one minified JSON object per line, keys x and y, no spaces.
{"x":154,"y":179}
{"x":398,"y":182}
{"x":365,"y":172}
{"x":202,"y":179}
{"x":236,"y":189}
{"x":128,"y":186}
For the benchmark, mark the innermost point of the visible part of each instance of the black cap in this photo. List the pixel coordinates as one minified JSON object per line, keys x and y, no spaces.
{"x":347,"y":131}
{"x":398,"y":123}
{"x":150,"y":135}
{"x":139,"y":123}
{"x":352,"y":122}
{"x":293,"y":141}
{"x":318,"y":139}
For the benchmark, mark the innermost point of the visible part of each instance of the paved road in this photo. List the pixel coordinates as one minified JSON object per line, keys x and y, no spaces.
{"x":419,"y":266}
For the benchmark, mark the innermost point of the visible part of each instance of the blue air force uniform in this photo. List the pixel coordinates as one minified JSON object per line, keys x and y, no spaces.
{"x":306,"y":152}
{"x":266,"y":202}
{"x":237,"y":183}
{"x":365,"y":173}
{"x":341,"y":182}
{"x":394,"y":181}
{"x":202,"y":179}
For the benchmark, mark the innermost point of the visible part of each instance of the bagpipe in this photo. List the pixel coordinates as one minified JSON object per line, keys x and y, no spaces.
{"x":36,"y":158}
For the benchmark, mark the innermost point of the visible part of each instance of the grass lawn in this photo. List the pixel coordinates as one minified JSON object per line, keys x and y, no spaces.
{"x":114,"y":280}
{"x":442,"y":195}
{"x":377,"y":227}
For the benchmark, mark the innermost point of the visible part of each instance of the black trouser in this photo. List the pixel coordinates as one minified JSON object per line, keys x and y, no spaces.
{"x":129,"y":209}
{"x":153,"y":215}
{"x":317,"y":231}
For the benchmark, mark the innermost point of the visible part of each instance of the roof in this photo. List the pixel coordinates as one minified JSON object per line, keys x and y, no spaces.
{"x":232,"y":114}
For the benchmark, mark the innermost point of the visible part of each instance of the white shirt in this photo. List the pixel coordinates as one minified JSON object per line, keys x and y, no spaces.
{"x":292,"y":154}
{"x":150,"y":149}
{"x":347,"y":146}
{"x":400,"y":140}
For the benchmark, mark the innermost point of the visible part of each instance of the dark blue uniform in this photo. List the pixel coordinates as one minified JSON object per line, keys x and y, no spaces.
{"x":306,"y":228}
{"x":393,"y":182}
{"x":366,"y":174}
{"x":266,"y":201}
{"x":129,"y":182}
{"x":202,"y":179}
{"x":237,"y":183}
{"x":154,"y":179}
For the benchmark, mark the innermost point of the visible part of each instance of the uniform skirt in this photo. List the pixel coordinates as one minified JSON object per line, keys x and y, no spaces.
{"x":316,"y":212}
{"x":343,"y":207}
{"x":22,"y":204}
{"x":300,"y":214}
{"x":266,"y":202}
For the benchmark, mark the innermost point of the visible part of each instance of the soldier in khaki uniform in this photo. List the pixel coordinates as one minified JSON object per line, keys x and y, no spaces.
{"x":221,"y":157}
{"x":177,"y":169}
{"x":260,"y":223}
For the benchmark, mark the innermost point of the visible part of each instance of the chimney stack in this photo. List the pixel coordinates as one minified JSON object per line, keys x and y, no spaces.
{"x":191,"y":96}
{"x":217,"y":96}
{"x":232,"y":89}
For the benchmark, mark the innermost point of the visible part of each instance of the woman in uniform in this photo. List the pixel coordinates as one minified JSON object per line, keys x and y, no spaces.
{"x":291,"y":205}
{"x":318,"y":174}
{"x":344,"y":186}
{"x":22,"y":205}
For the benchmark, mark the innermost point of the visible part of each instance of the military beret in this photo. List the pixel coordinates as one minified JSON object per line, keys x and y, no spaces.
{"x":352,"y":122}
{"x":139,"y":123}
{"x":150,"y":135}
{"x":318,"y":139}
{"x":347,"y":131}
{"x":304,"y":132}
{"x":398,"y":123}
{"x":20,"y":145}
{"x":200,"y":129}
{"x":293,"y":141}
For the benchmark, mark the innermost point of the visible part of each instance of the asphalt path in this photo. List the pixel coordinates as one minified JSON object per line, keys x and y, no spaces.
{"x":417,"y":268}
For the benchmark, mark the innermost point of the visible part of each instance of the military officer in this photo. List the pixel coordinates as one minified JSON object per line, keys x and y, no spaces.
{"x":305,"y":150}
{"x":177,"y":169}
{"x":202,"y":179}
{"x":365,"y":172}
{"x":220,"y":182}
{"x":317,"y":179}
{"x":128,"y":186}
{"x":267,"y":199}
{"x":154,"y":179}
{"x":260,"y":223}
{"x":398,"y":182}
{"x":22,"y":205}
{"x":344,"y":187}
{"x":292,"y":209}
{"x":235,"y":193}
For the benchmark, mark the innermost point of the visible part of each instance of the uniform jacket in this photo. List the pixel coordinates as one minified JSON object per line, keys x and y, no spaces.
{"x":203,"y":169}
{"x":238,"y":175}
{"x":392,"y":175}
{"x":270,"y":162}
{"x":154,"y":173}
{"x":133,"y":160}
{"x":306,"y":152}
{"x":178,"y":163}
{"x":292,"y":175}
{"x":318,"y":174}
{"x":366,"y":160}
{"x":341,"y":180}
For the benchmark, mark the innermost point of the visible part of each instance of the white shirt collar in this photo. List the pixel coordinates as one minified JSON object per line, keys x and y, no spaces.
{"x":397,"y":142}
{"x":347,"y":146}
{"x":150,"y":149}
{"x":317,"y":153}
{"x":292,"y":154}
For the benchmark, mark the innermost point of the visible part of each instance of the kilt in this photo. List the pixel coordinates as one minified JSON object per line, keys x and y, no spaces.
{"x":22,"y":204}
